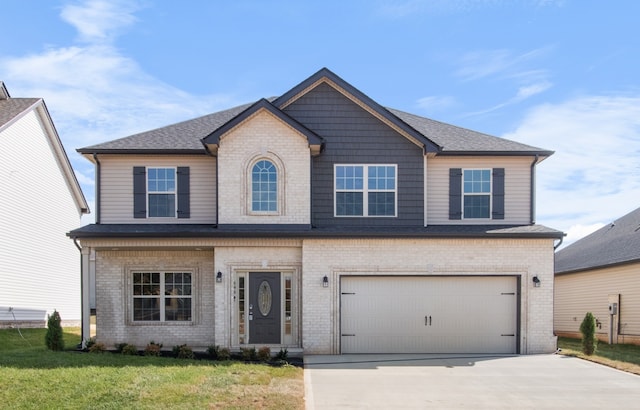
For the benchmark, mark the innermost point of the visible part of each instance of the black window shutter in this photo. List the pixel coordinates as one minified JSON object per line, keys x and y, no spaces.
{"x":139,"y":192}
{"x":183,"y":193}
{"x":455,"y":193}
{"x":498,"y":193}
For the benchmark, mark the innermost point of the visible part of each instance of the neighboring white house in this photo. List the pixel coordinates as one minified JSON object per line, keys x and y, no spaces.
{"x":323,"y":223}
{"x":40,"y":200}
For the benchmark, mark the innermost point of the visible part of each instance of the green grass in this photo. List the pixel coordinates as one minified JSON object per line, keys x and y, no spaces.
{"x":623,"y":357}
{"x":32,"y":377}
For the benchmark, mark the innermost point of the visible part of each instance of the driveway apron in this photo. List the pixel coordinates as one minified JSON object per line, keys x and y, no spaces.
{"x":465,"y":382}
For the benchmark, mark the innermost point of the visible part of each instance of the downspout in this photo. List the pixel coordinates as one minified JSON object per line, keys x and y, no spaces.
{"x":217,"y":191}
{"x":82,"y":296}
{"x":532,"y":196}
{"x":95,"y":158}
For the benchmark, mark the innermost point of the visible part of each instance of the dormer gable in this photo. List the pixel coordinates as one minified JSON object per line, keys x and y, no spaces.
{"x":212,"y":141}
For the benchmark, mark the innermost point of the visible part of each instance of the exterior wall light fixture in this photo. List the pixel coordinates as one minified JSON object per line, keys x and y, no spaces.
{"x":219,"y":277}
{"x":536,"y":281}
{"x":325,"y":282}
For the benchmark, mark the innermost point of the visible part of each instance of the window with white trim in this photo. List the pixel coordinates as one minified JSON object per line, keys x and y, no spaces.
{"x":476,"y":193}
{"x":162,"y":296}
{"x":365,"y":190}
{"x":264,"y":187}
{"x":161,"y":191}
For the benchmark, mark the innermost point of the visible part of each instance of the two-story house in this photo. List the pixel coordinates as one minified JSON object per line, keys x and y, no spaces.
{"x":322,"y":222}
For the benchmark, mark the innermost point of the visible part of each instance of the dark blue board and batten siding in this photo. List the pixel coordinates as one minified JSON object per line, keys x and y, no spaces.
{"x":353,"y":136}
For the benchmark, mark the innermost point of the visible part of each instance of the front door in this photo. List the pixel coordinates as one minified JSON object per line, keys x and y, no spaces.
{"x":264,"y":308}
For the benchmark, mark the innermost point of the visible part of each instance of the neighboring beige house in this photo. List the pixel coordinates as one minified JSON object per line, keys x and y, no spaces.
{"x":601,"y":274}
{"x":40,"y":200}
{"x":323,"y":223}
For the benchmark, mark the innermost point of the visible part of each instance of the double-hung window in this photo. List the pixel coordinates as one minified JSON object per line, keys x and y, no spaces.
{"x":365,"y":190}
{"x":161,"y":189}
{"x":476,"y":193}
{"x":162,"y":296}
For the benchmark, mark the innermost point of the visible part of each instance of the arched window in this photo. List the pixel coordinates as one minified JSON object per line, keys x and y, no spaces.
{"x":264,"y":187}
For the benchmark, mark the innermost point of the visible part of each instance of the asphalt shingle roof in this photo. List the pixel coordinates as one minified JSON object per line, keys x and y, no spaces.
{"x":616,"y":243}
{"x":183,"y":136}
{"x":186,"y":136}
{"x":12,"y":107}
{"x":456,"y":139}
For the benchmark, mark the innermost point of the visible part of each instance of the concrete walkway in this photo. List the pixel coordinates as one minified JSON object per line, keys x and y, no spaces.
{"x":465,"y":382}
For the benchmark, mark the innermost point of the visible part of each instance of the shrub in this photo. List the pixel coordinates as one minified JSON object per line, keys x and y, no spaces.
{"x":249,"y":353}
{"x":120,"y":347}
{"x":588,"y":330}
{"x":97,"y":348}
{"x":213,"y":351}
{"x":53,"y":338}
{"x":129,"y":350}
{"x":224,"y":354}
{"x":264,"y":354}
{"x":153,"y":349}
{"x":183,"y":352}
{"x":89,"y":342}
{"x":283,"y":355}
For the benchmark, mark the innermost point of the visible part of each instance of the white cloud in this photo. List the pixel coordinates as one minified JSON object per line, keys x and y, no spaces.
{"x":594,"y":176}
{"x":485,"y":63}
{"x":522,"y":94}
{"x":100,"y":20}
{"x":434,"y":103}
{"x":531,"y":90}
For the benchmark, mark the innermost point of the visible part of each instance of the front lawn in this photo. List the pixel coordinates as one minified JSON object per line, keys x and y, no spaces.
{"x":32,"y":377}
{"x":623,"y":357}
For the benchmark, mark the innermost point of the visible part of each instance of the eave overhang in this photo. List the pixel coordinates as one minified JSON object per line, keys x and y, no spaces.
{"x":497,"y":153}
{"x":584,"y":269}
{"x":303,"y":231}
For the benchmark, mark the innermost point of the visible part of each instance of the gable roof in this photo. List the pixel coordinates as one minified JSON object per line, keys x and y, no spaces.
{"x":213,"y":139}
{"x":326,"y":75}
{"x":190,"y":137}
{"x":183,"y":137}
{"x":12,"y":109}
{"x":613,"y":244}
{"x":455,"y":140}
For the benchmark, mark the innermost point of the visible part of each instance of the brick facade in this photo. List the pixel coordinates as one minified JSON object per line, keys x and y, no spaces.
{"x":316,"y":308}
{"x":264,"y":137}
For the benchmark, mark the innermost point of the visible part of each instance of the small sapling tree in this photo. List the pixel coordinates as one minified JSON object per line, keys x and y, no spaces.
{"x":588,"y":330}
{"x":53,"y":338}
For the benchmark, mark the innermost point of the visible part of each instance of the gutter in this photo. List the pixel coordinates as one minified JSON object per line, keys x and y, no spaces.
{"x":95,"y":158}
{"x":532,"y":196}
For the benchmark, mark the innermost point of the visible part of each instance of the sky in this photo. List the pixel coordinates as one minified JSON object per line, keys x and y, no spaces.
{"x":562,"y":75}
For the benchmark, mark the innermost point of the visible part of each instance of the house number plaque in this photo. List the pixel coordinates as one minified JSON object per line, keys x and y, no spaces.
{"x":265,"y":298}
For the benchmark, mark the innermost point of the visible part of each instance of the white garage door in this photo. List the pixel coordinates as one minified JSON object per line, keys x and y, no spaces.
{"x":436,"y":314}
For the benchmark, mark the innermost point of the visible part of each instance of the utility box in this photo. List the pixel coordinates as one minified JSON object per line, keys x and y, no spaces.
{"x":614,"y":317}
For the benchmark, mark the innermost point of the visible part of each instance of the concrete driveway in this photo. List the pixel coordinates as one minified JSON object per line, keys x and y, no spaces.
{"x":466,"y":382}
